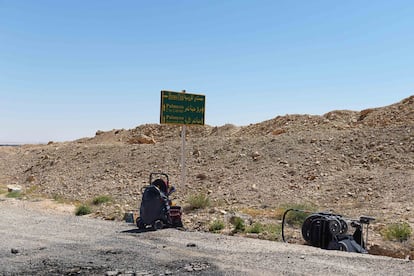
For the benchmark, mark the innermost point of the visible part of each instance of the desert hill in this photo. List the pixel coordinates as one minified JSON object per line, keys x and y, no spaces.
{"x":352,"y":162}
{"x":397,"y":114}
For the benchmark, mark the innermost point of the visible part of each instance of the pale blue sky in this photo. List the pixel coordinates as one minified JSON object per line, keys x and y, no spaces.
{"x":69,"y":68}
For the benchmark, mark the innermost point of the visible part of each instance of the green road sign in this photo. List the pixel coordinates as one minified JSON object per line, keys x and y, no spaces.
{"x":182,"y":108}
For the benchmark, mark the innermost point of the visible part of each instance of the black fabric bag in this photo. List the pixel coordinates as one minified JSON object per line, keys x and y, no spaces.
{"x":154,"y":206}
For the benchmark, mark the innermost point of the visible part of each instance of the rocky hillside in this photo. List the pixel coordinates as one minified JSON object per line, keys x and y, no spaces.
{"x":351,"y":162}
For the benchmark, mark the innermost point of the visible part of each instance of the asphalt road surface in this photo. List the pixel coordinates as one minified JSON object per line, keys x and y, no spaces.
{"x":40,"y":242}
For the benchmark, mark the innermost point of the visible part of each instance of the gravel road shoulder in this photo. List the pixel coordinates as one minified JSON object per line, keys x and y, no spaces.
{"x":36,"y":241}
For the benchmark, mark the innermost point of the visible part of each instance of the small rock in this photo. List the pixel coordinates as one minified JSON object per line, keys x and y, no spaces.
{"x":142,"y":139}
{"x":14,"y":188}
{"x":201,"y":176}
{"x":15,"y":251}
{"x":278,"y":131}
{"x":30,"y":178}
{"x":191,"y":244}
{"x":255,"y":155}
{"x":142,"y":273}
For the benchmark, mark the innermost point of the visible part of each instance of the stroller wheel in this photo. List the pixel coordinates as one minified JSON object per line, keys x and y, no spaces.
{"x":177,"y":223}
{"x":140,"y":223}
{"x":158,"y":224}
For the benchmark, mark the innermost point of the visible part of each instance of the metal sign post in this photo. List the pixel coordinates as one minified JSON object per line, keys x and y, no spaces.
{"x":181,"y":108}
{"x":183,"y":165}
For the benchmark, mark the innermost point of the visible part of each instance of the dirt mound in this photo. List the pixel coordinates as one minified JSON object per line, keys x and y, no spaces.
{"x":157,"y":133}
{"x":397,"y":114}
{"x":401,"y":113}
{"x":354,"y":163}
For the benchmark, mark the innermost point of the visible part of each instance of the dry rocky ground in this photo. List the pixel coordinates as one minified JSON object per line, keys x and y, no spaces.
{"x":36,"y":241}
{"x":351,"y":162}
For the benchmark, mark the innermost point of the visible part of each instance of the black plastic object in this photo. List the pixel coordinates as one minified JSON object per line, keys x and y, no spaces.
{"x":321,"y":228}
{"x":329,"y":231}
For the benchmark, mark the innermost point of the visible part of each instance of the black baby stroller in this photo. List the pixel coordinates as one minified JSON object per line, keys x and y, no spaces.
{"x":157,"y":210}
{"x":330,"y":231}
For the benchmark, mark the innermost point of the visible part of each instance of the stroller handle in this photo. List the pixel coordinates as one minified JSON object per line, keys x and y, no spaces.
{"x":153,"y":174}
